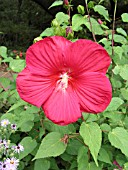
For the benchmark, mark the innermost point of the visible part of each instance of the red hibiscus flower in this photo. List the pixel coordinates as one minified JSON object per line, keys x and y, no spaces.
{"x":66,"y":78}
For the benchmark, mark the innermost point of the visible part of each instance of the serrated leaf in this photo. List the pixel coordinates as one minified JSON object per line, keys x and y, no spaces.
{"x":51,"y":145}
{"x":102,"y":11}
{"x":42,"y":164}
{"x":116,"y":102}
{"x":124,"y":17}
{"x":82,"y":158}
{"x":29,"y":145}
{"x":3,"y":51}
{"x":17,"y":65}
{"x":56,"y":3}
{"x":92,"y":136}
{"x":119,"y":139}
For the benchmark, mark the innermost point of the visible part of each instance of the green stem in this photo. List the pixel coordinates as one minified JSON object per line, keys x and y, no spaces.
{"x":93,"y":34}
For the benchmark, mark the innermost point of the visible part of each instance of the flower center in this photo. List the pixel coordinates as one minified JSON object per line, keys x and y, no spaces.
{"x":63,"y":82}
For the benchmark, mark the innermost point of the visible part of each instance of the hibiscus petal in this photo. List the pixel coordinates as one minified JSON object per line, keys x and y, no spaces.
{"x":62,"y":107}
{"x":87,"y":56}
{"x":94,"y":92}
{"x":34,"y":89}
{"x":46,"y":56}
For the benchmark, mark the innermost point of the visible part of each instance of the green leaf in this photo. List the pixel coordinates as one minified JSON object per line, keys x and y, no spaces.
{"x":52,"y":127}
{"x":16,"y":105}
{"x":77,"y":21}
{"x":119,"y":39}
{"x":92,"y":136}
{"x":3,"y":51}
{"x":124,"y":71}
{"x":26,"y":126}
{"x":29,"y":145}
{"x":119,"y":139}
{"x":73,"y":147}
{"x":47,"y":32}
{"x":121,"y":31}
{"x":53,"y":164}
{"x":11,"y":117}
{"x":41,"y":164}
{"x":104,"y":156}
{"x":124,"y":17}
{"x":105,"y":127}
{"x":82,"y":158}
{"x":92,"y":166}
{"x":116,"y":102}
{"x":102,"y":11}
{"x":56,"y":3}
{"x":62,"y":18}
{"x":5,"y":82}
{"x":124,"y":93}
{"x":96,"y":28}
{"x":51,"y":145}
{"x":26,"y":121}
{"x":17,"y":65}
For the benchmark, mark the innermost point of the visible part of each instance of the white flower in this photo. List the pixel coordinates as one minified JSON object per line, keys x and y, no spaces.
{"x":19,"y":148}
{"x":12,"y":163}
{"x":3,"y":166}
{"x":13,"y":126}
{"x":5,"y":122}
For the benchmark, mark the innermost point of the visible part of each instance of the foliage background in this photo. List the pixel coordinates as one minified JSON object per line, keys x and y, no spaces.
{"x":95,"y":142}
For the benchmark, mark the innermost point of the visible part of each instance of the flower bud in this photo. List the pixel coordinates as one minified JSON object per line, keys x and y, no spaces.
{"x":69,"y":32}
{"x":100,"y":22}
{"x":81,"y":10}
{"x":66,"y":2}
{"x":55,"y":23}
{"x":90,"y":4}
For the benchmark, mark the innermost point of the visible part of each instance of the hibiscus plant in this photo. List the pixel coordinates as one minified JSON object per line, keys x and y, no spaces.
{"x":69,"y":96}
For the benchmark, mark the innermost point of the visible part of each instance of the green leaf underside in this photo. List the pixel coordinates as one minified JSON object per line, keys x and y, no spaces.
{"x":92,"y":136}
{"x":119,"y":139}
{"x":51,"y":145}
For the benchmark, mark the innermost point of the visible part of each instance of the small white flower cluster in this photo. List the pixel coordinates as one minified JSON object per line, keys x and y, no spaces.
{"x":6,"y":149}
{"x":5,"y":122}
{"x":8,"y":153}
{"x":9,"y":164}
